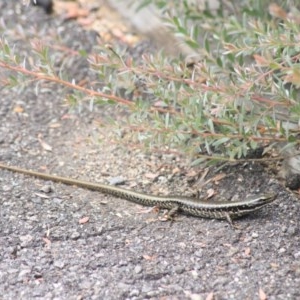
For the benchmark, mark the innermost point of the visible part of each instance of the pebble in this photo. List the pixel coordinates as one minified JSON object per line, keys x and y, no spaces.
{"x":179,"y":270}
{"x":118,"y":180}
{"x":59,"y":264}
{"x":47,"y":188}
{"x":134,"y":293}
{"x":138,"y":269}
{"x":297,"y":255}
{"x":7,"y":188}
{"x":75,"y":235}
{"x":25,"y":240}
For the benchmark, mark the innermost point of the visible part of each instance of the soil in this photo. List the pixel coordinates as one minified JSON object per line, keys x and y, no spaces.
{"x":64,"y":242}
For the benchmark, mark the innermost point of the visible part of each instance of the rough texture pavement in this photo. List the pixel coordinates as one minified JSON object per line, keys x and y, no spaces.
{"x":63,"y":242}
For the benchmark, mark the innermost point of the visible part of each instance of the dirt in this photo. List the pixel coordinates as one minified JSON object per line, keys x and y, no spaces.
{"x":63,"y":242}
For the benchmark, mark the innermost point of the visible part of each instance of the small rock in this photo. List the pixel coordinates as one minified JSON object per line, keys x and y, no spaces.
{"x":25,"y":240}
{"x":138,"y":269}
{"x":75,"y":235}
{"x":281,"y":250}
{"x":23,"y":273}
{"x":179,"y":270}
{"x":116,"y":180}
{"x":292,"y":230}
{"x":59,"y":264}
{"x":124,"y":286}
{"x":47,"y":188}
{"x":123,"y":263}
{"x":7,"y":188}
{"x":199,"y":253}
{"x":196,"y":297}
{"x":297,"y":255}
{"x":134,"y":293}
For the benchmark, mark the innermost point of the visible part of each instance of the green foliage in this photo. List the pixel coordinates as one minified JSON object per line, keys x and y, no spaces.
{"x":241,"y":94}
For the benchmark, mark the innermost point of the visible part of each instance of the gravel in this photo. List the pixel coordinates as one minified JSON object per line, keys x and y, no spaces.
{"x":70,"y":243}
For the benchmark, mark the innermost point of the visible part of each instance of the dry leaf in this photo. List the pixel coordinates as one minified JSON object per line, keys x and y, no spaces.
{"x":147,"y":210}
{"x":247,"y":251}
{"x":67,"y":117}
{"x":18,"y":109}
{"x":128,"y":242}
{"x":45,"y":146}
{"x":293,"y":77}
{"x":210,"y":193}
{"x":71,"y":10}
{"x":148,"y":257}
{"x":47,"y":241}
{"x":261,"y":61}
{"x":160,"y":104}
{"x":55,"y":125}
{"x":43,"y":196}
{"x":274,"y":265}
{"x":276,"y":11}
{"x":76,"y":13}
{"x":191,"y":173}
{"x":210,"y":296}
{"x":86,"y":21}
{"x":219,"y":177}
{"x":151,"y":175}
{"x":194,"y":296}
{"x":262,"y":295}
{"x":84,"y":220}
{"x":176,"y":170}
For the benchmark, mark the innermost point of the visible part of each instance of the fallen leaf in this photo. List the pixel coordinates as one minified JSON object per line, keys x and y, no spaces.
{"x":43,"y":196}
{"x":103,"y":202}
{"x":45,"y":146}
{"x":86,"y":21}
{"x":262,"y":295}
{"x":219,"y":177}
{"x":67,"y":117}
{"x":210,"y":193}
{"x":148,"y":257}
{"x":71,"y":10}
{"x":76,"y":13}
{"x":191,"y":173}
{"x":47,"y":241}
{"x":84,"y":220}
{"x":55,"y":125}
{"x":274,"y":265}
{"x":293,"y":77}
{"x":261,"y":61}
{"x":176,"y":170}
{"x":276,"y":11}
{"x":128,"y":242}
{"x":18,"y":109}
{"x":151,"y":175}
{"x":210,"y":296}
{"x":247,"y":251}
{"x":147,"y":210}
{"x":160,"y":103}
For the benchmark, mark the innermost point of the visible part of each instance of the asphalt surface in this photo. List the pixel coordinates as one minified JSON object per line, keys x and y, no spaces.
{"x":63,"y":242}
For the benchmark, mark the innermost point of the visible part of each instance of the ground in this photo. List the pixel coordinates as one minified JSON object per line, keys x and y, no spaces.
{"x":63,"y":242}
